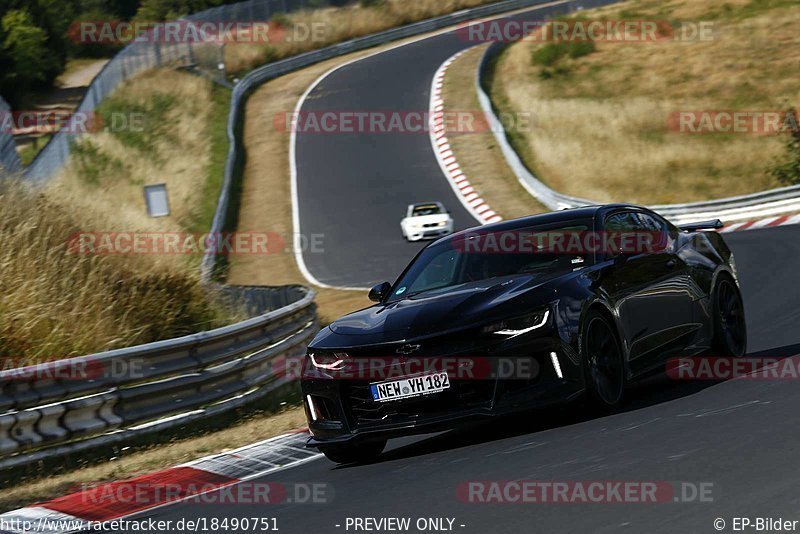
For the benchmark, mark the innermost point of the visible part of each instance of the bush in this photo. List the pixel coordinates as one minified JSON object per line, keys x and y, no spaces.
{"x":788,"y":171}
{"x":549,"y":54}
{"x":581,"y":48}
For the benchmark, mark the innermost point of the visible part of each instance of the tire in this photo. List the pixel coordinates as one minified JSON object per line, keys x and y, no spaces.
{"x":604,"y":365}
{"x":351,"y":454}
{"x":730,"y":329}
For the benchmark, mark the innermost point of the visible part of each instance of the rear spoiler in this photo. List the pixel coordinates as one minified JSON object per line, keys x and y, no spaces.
{"x":714,"y":224}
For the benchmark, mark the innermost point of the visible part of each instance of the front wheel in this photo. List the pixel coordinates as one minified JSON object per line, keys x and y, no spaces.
{"x":730,"y":331}
{"x":354,"y":453}
{"x":604,"y":367}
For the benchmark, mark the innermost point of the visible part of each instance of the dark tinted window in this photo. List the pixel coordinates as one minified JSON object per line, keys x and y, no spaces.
{"x":456,"y":262}
{"x":623,"y":222}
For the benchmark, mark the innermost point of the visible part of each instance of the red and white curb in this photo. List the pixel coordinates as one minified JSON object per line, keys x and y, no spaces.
{"x":768,"y":222}
{"x":117,"y":500}
{"x":465,"y":192}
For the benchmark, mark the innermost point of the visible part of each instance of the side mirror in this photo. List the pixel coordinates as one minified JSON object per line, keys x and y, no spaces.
{"x":380,"y":292}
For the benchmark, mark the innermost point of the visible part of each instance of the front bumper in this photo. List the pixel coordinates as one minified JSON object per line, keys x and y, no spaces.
{"x":417,"y":234}
{"x":343,"y":409}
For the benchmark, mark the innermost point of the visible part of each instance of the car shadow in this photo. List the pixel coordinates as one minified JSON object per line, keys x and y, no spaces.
{"x":656,"y":389}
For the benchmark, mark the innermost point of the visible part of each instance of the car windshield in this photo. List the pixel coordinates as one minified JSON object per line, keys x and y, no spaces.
{"x":484,"y":256}
{"x":425,"y":209}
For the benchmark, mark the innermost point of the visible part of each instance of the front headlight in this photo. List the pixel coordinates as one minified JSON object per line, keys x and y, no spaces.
{"x":443,"y":223}
{"x":328,"y":361}
{"x":517,"y":326}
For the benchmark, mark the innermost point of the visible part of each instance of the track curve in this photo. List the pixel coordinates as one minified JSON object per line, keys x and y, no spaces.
{"x":353,"y":188}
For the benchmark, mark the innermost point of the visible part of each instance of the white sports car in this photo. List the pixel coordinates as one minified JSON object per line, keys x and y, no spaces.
{"x":425,"y":221}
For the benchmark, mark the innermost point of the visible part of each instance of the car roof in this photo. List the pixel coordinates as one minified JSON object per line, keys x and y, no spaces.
{"x":566,"y":215}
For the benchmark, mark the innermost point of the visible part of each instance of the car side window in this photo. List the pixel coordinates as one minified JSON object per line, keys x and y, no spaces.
{"x":660,"y":228}
{"x":651,"y":224}
{"x":625,"y":222}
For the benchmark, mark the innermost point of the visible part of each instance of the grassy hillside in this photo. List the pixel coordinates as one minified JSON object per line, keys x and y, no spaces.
{"x":602,"y":115}
{"x":57,"y":303}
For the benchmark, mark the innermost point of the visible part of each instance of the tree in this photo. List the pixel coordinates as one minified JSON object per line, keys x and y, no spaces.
{"x":25,"y":46}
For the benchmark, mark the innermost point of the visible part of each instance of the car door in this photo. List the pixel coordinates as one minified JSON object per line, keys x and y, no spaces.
{"x":648,"y":285}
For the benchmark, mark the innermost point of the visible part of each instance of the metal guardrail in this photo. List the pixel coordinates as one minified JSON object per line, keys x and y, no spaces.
{"x":270,"y":71}
{"x":9,"y":159}
{"x":71,"y":405}
{"x":772,"y":202}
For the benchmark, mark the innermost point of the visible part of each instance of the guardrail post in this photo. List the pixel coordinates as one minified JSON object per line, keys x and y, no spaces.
{"x":7,"y":445}
{"x":24,"y":429}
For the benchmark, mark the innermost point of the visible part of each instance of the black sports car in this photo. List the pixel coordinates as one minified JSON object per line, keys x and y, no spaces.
{"x":519,"y":314}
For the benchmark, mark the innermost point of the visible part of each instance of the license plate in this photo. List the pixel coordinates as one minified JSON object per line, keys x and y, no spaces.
{"x":409,"y":387}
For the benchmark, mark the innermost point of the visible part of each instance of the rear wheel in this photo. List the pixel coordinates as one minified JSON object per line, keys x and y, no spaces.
{"x":730,"y":331}
{"x":354,"y":453}
{"x":603,"y":363}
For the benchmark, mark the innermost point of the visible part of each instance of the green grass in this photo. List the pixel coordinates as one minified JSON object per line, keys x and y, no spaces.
{"x":93,"y":164}
{"x":754,"y":8}
{"x":218,"y":128}
{"x":146,"y":125}
{"x":29,"y":153}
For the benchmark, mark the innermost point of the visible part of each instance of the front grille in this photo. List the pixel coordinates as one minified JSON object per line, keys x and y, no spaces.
{"x":461,"y":395}
{"x":430,"y":225}
{"x":464,"y":393}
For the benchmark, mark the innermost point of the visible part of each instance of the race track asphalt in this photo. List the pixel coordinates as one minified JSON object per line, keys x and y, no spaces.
{"x":739,"y":436}
{"x":353,"y":188}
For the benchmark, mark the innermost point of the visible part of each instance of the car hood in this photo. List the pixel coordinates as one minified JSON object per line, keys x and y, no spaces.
{"x":441,"y":311}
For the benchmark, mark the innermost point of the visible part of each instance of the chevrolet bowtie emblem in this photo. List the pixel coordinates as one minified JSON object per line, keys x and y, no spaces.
{"x":407,"y":349}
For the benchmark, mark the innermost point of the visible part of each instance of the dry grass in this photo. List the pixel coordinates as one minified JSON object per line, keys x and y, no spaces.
{"x":169,"y":143}
{"x":600,"y":128}
{"x":253,"y":429}
{"x":477,"y":153}
{"x":57,"y":303}
{"x":334,"y":25}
